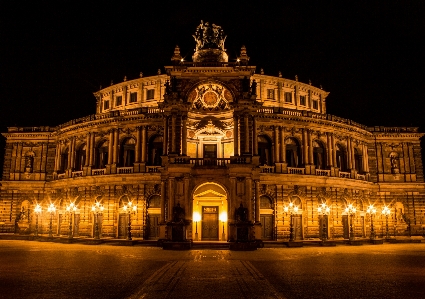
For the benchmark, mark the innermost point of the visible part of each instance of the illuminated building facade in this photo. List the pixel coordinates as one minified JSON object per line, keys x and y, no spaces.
{"x":212,"y":136}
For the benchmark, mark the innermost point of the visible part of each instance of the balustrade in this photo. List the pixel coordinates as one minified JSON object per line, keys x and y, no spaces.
{"x":267,"y":169}
{"x":152,"y":168}
{"x":76,"y":174}
{"x":98,"y":171}
{"x":124,"y":170}
{"x":322,"y":172}
{"x":295,"y":170}
{"x":345,"y":175}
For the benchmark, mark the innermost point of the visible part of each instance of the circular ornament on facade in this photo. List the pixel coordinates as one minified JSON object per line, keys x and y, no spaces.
{"x":229,"y":134}
{"x":210,"y":98}
{"x":192,"y":96}
{"x":191,"y":134}
{"x":228,"y":95}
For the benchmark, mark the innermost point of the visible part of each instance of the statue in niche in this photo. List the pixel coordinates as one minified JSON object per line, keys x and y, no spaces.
{"x":394,"y":164}
{"x":29,"y":162}
{"x":167,"y":87}
{"x":254,"y":88}
{"x":241,"y":214}
{"x":178,"y":213}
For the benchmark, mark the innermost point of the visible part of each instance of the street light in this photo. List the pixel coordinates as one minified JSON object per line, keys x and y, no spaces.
{"x":97,"y":209}
{"x":386,"y":211}
{"x":350,"y":210}
{"x":292,"y":209}
{"x":196,"y":218}
{"x":371,"y":210}
{"x":223,"y":218}
{"x":71,"y":208}
{"x":51,"y":209}
{"x":37,"y":211}
{"x":129,"y":208}
{"x":323,"y":211}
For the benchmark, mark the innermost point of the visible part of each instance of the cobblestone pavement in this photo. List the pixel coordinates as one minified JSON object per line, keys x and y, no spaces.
{"x":51,"y":270}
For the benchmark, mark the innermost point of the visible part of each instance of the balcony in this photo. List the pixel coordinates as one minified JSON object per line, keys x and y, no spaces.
{"x":345,"y":175}
{"x":322,"y":172}
{"x":76,"y":174}
{"x":267,"y":169}
{"x":98,"y":171}
{"x":124,"y":170}
{"x":296,"y":170}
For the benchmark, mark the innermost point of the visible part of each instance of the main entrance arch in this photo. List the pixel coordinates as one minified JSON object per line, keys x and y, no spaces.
{"x":210,"y":212}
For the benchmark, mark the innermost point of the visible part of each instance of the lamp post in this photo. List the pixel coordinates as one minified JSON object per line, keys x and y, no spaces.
{"x":386,"y":211}
{"x":71,"y":208}
{"x":129,"y":208}
{"x":292,"y":209}
{"x":97,"y":209}
{"x":51,"y":209}
{"x":196,"y":218}
{"x":223,"y":218}
{"x":37,"y":211}
{"x":323,"y":211}
{"x":350,"y":210}
{"x":371,"y":211}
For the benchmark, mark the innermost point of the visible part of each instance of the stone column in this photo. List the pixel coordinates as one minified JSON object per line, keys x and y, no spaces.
{"x":329,"y":149}
{"x":305,"y":147}
{"x":257,"y":201}
{"x":88,"y":148}
{"x":170,"y":197}
{"x":116,"y":146}
{"x":165,"y":141}
{"x":365,"y":158}
{"x":110,"y":146}
{"x":282,"y":145}
{"x":173,"y":134}
{"x":57,"y":157}
{"x":276,"y":144}
{"x":248,"y":192}
{"x":246,"y":124}
{"x":71,"y":153}
{"x":310,"y":148}
{"x":144,"y":144}
{"x":235,"y":135}
{"x":184,"y":135}
{"x":333,"y":151}
{"x":137,"y":146}
{"x":349,"y":158}
{"x":254,"y":137}
{"x":92,"y":148}
{"x":162,"y":203}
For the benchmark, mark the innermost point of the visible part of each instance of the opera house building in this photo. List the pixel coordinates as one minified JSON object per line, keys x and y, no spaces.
{"x":212,"y":149}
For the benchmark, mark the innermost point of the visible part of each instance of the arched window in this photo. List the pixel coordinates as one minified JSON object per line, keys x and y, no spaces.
{"x":341,"y":157}
{"x":64,"y":161}
{"x":265,"y":150}
{"x":293,"y":152}
{"x":101,"y":158}
{"x":155,"y":150}
{"x":358,"y":160}
{"x":80,"y":158}
{"x":127,"y":151}
{"x":319,"y":156}
{"x":154,"y":201}
{"x":265,"y":202}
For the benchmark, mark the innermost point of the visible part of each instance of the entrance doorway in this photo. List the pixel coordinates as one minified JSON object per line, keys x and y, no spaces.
{"x":210,"y":151}
{"x":266,"y":227}
{"x":153,"y":226}
{"x":346,"y":229}
{"x":210,"y":224}
{"x":298,"y":233}
{"x":122,"y":226}
{"x":324,"y":227}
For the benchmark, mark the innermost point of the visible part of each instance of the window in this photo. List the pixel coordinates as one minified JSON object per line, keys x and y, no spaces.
{"x":270,"y":94}
{"x":133,"y":97}
{"x":302,"y":100}
{"x":105,"y":105}
{"x":150,"y":94}
{"x":118,"y":101}
{"x":288,"y":97}
{"x":315,"y":105}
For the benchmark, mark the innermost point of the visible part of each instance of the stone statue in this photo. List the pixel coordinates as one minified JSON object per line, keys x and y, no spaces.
{"x":209,"y":37}
{"x":167,"y":87}
{"x":178,"y":213}
{"x":241,"y":213}
{"x":254,"y":87}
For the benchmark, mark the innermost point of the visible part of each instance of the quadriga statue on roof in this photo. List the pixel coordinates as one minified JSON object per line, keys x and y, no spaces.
{"x":209,"y":37}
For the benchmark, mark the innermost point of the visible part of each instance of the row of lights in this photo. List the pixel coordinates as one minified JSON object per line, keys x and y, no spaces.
{"x":324,"y":210}
{"x":97,"y":210}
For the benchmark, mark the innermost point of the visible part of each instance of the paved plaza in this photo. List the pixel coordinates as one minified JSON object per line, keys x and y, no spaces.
{"x":52,"y":270}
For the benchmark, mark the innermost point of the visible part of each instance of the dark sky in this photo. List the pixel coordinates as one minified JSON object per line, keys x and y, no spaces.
{"x":368,"y":54}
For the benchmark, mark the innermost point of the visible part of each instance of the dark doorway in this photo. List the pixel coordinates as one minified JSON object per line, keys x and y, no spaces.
{"x":297,"y":222}
{"x":323,"y":227}
{"x":122,"y":226}
{"x":210,"y":151}
{"x":266,"y":227}
{"x":210,"y":224}
{"x":346,"y":229}
{"x":153,"y":227}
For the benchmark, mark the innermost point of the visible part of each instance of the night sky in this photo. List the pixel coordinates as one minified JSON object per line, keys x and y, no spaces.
{"x":368,"y":54}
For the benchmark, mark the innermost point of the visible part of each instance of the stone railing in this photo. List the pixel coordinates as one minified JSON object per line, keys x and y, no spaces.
{"x":345,"y":175}
{"x":98,"y":171}
{"x":322,"y":172}
{"x":296,"y":170}
{"x":61,"y":176}
{"x":267,"y":169}
{"x":151,"y":169}
{"x":124,"y":170}
{"x":361,"y":177}
{"x":76,"y":174}
{"x":210,"y":161}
